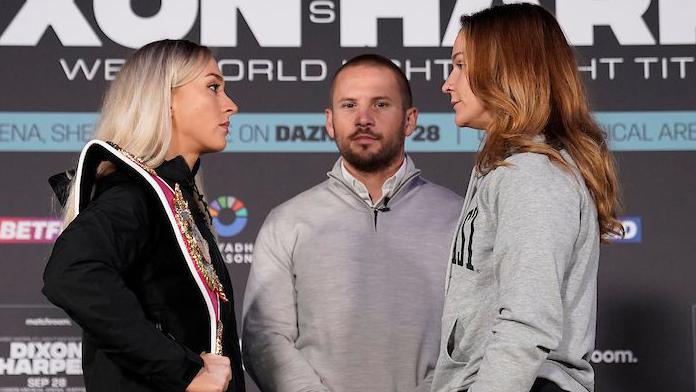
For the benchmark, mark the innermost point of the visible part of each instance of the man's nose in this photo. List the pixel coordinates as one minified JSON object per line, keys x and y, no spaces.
{"x":364,"y":117}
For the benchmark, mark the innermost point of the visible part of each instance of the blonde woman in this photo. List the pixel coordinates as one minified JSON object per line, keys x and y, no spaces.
{"x":521,"y":292}
{"x":137,"y":266}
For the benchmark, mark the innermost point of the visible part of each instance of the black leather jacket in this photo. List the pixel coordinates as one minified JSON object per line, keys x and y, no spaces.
{"x":118,"y":272}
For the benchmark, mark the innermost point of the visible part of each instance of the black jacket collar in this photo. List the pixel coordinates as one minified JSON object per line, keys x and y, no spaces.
{"x":177,"y":170}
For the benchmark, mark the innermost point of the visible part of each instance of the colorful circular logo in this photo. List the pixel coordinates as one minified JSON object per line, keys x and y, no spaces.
{"x":226,"y":208}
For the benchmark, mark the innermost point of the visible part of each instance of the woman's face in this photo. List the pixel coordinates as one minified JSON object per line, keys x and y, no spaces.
{"x":201,"y":112}
{"x":468,"y":109}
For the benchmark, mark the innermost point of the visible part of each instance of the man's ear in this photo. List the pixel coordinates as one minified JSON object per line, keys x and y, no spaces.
{"x":329,"y":123}
{"x":411,"y":120}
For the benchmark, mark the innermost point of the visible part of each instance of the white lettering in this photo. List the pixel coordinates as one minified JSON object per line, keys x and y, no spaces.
{"x":6,"y":365}
{"x":446,"y":65}
{"x":40,"y":366}
{"x":260,"y":67}
{"x":282,"y":77}
{"x":111,"y":68}
{"x":322,"y":11}
{"x":467,"y":8}
{"x":409,"y":70}
{"x":278,"y":23}
{"x":43,"y":358}
{"x":677,"y":22}
{"x":23,"y":230}
{"x":29,"y":230}
{"x":273,"y":22}
{"x":305,"y":66}
{"x":36,"y":16}
{"x":223,"y":64}
{"x":54,"y":229}
{"x":73,"y":366}
{"x":613,"y":356}
{"x":592,"y":68}
{"x":682,"y":64}
{"x":420,"y":21}
{"x":23,"y":366}
{"x":41,"y":350}
{"x":18,"y":350}
{"x":39,"y":227}
{"x":625,"y":17}
{"x":646,"y":64}
{"x":612,"y":61}
{"x":117,"y":20}
{"x":7,"y":229}
{"x":80,"y":65}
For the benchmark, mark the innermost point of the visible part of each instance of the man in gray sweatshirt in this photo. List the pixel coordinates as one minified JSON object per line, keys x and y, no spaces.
{"x":346,"y":289}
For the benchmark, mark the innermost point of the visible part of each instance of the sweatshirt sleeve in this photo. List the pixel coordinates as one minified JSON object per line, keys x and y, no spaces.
{"x":84,"y":276}
{"x":538,"y":212}
{"x":427,"y":383}
{"x":270,"y":315}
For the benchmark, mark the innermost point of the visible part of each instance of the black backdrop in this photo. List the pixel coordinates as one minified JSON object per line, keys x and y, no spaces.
{"x":637,"y":58}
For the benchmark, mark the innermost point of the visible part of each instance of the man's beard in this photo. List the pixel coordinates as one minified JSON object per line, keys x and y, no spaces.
{"x":370,"y":162}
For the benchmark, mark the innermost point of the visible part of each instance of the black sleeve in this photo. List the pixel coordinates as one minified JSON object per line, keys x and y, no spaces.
{"x":84,"y":277}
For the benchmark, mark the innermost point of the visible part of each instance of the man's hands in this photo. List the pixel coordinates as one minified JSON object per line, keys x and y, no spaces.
{"x":213,"y":376}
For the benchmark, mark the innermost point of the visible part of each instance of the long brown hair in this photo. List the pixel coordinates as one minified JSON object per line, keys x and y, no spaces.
{"x":524,"y":71}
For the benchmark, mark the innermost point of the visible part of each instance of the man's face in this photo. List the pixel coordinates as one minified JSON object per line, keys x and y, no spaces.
{"x":368,"y":120}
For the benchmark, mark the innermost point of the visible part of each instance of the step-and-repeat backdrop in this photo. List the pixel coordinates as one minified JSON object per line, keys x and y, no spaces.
{"x":636,"y":56}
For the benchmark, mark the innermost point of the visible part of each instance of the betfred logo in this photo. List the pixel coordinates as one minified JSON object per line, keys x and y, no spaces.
{"x":17,"y":230}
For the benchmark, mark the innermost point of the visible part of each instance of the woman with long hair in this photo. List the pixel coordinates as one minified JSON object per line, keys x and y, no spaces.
{"x":137,"y":266}
{"x":521,"y":292}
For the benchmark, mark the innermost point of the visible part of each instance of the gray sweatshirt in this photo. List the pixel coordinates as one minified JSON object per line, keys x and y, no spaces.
{"x":343,"y":296}
{"x":522,"y":284}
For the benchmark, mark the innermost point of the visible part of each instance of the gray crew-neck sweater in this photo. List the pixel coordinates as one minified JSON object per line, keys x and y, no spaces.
{"x":346,"y":297}
{"x":522,"y":284}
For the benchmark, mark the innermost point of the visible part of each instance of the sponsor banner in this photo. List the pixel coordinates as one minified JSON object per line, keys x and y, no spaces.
{"x":305,"y":132}
{"x":22,"y":230}
{"x":40,"y":350}
{"x":634,"y":55}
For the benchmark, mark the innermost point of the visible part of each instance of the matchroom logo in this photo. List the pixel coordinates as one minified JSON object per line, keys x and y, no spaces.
{"x":22,"y":230}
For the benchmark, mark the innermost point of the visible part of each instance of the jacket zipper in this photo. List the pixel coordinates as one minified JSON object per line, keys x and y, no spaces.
{"x":383,"y":205}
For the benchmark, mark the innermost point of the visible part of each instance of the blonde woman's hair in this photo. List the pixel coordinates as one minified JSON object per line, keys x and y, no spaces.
{"x":136,"y":109}
{"x":522,"y":68}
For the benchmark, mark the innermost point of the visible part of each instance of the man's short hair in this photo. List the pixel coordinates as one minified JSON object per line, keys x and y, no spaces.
{"x":376,"y":60}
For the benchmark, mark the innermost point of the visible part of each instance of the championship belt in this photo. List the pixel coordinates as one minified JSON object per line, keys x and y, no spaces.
{"x":194,"y":248}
